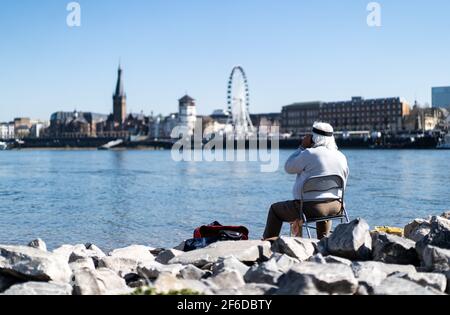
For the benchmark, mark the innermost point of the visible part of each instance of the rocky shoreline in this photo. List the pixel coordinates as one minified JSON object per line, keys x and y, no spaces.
{"x":352,"y":261}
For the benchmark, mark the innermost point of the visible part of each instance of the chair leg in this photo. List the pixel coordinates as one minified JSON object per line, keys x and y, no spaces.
{"x":346,"y":216}
{"x":306,"y":225}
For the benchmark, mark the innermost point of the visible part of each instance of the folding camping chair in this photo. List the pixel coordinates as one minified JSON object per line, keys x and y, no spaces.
{"x":323,"y":184}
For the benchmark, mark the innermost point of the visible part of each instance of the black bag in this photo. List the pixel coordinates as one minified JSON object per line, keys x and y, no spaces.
{"x":216,"y":233}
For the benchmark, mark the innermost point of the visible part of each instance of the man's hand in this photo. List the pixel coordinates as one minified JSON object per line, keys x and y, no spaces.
{"x":307,"y":142}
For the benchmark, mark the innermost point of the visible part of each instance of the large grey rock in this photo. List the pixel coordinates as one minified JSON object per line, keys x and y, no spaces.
{"x":439,"y":235}
{"x":312,"y":278}
{"x":29,"y":263}
{"x":191,"y":272}
{"x":446,"y":215}
{"x":284,"y":262}
{"x":65,"y":251}
{"x":417,"y":229}
{"x":229,"y":262}
{"x":99,"y":282}
{"x":167,"y":283}
{"x":436,"y":281}
{"x":122,"y":266}
{"x":244,"y":251}
{"x":351,"y":241}
{"x":298,"y":248}
{"x":400,"y":286}
{"x":180,"y":246}
{"x":226,"y":279}
{"x":154,"y":269}
{"x":320,"y":259}
{"x":372,"y":273}
{"x":82,"y":263}
{"x":39,"y":288}
{"x":265,"y":273}
{"x":89,"y":251}
{"x":434,"y":258}
{"x":140,"y":253}
{"x":393,"y":249}
{"x":165,"y":256}
{"x":38,"y":244}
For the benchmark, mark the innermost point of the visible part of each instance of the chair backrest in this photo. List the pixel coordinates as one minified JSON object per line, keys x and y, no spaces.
{"x":324,"y":184}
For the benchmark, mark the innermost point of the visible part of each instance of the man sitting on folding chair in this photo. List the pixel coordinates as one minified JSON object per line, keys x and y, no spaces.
{"x":317,"y":156}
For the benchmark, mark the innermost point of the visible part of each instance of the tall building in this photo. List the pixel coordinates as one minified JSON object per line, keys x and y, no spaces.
{"x":441,"y":96}
{"x":119,"y":101}
{"x":187,"y":113}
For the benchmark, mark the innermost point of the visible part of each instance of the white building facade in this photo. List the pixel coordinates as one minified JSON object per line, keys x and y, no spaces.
{"x":6,"y":131}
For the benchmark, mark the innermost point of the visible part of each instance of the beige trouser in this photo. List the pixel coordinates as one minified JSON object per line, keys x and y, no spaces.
{"x":289,"y":211}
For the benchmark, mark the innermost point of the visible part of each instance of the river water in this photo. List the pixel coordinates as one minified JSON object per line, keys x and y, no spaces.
{"x":119,"y":198}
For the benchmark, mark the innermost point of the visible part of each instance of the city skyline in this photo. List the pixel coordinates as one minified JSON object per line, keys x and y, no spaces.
{"x":285,"y":50}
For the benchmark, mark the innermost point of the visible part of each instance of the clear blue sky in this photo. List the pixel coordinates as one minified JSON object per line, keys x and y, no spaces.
{"x":292,"y":50}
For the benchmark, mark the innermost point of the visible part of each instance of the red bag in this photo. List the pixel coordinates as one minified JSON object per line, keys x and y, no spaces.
{"x":215,"y":229}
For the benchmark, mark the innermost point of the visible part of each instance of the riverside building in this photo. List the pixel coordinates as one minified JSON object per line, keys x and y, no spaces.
{"x":357,"y":114}
{"x":6,"y":130}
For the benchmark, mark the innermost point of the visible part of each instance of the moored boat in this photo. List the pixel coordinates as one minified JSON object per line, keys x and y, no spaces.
{"x":444,"y":144}
{"x":3,"y":146}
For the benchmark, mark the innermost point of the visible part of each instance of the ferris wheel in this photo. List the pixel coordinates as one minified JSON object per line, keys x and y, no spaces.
{"x":239,"y":103}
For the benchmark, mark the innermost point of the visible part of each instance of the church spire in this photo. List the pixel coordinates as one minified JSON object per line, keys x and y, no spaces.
{"x":119,"y":99}
{"x":120,"y":91}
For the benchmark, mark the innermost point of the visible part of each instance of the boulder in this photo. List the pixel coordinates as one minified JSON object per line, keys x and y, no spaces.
{"x":229,"y":262}
{"x":39,"y":288}
{"x":244,"y":251}
{"x":29,"y":263}
{"x":99,"y":282}
{"x":351,"y":241}
{"x":436,"y":281}
{"x":86,"y":251}
{"x":446,"y":215}
{"x":371,"y":273}
{"x":141,"y":254}
{"x":417,"y":229}
{"x":121,"y":266}
{"x":191,"y":272}
{"x":82,"y":263}
{"x":66,"y":250}
{"x":298,"y":248}
{"x":265,"y":273}
{"x":439,"y":235}
{"x":180,"y":246}
{"x":154,"y":269}
{"x":167,"y":283}
{"x":284,"y":262}
{"x":392,"y":249}
{"x":311,"y":278}
{"x":38,"y":244}
{"x":165,"y":256}
{"x":329,"y":260}
{"x":138,"y":283}
{"x":226,"y":279}
{"x":434,"y":258}
{"x":400,"y":286}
